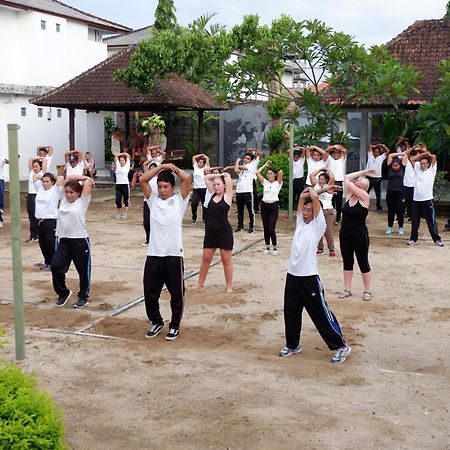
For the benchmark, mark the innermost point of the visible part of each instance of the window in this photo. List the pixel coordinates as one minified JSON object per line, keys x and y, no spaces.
{"x":58,"y":27}
{"x":59,"y":112}
{"x":40,"y":112}
{"x":23,"y":112}
{"x":43,"y":25}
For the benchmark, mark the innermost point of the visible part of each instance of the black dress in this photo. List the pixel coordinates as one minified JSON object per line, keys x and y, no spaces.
{"x":218,"y":231}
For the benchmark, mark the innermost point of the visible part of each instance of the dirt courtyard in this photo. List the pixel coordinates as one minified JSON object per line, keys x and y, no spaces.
{"x":222,"y":385}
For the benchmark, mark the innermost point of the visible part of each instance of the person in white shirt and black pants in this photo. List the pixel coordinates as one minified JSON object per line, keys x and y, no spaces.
{"x":337,"y":163}
{"x":303,"y":286}
{"x":3,"y":161}
{"x":298,"y":173}
{"x":425,"y":167}
{"x":199,"y":163}
{"x":122,"y":162}
{"x":164,"y":263}
{"x":375,"y":158}
{"x":244,"y":190}
{"x":36,"y":166}
{"x":73,"y":240}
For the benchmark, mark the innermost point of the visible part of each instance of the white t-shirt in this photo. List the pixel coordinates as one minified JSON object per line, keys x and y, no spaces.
{"x":409,"y":178}
{"x":271,"y":191}
{"x":312,"y":166}
{"x":166,"y":218}
{"x":256,"y":162}
{"x":423,"y":187}
{"x":208,"y":197}
{"x":77,"y":170}
{"x":115,"y":145}
{"x":31,"y":186}
{"x":325,"y":197}
{"x":47,"y":201}
{"x":71,"y":221}
{"x":2,"y":168}
{"x":303,"y":256}
{"x":122,"y":172}
{"x":337,"y":166}
{"x":245,"y":180}
{"x":49,"y":162}
{"x":375,"y":163}
{"x":299,"y":167}
{"x":199,"y":177}
{"x":158,"y":160}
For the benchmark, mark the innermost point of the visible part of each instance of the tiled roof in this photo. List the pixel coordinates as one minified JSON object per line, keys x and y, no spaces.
{"x":422,"y":45}
{"x":96,"y":89}
{"x":57,"y":8}
{"x":127,"y":39}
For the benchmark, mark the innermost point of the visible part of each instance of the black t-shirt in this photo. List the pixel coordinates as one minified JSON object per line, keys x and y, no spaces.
{"x":395,"y":178}
{"x":354,"y":219}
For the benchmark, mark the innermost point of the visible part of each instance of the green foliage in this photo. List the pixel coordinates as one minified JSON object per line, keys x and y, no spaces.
{"x":393,"y":125}
{"x":434,"y":118}
{"x":165,"y":18}
{"x":276,"y":108}
{"x":152,"y":124}
{"x":440,"y":186}
{"x":28,"y":417}
{"x":109,"y":130}
{"x":281,"y":162}
{"x":275,"y":136}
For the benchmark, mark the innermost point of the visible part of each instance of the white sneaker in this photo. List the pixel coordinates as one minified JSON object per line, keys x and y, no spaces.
{"x":274,"y":252}
{"x":124,"y":216}
{"x":118,"y":216}
{"x":266,"y":252}
{"x":1,"y":223}
{"x":286,"y":351}
{"x":340,"y":355}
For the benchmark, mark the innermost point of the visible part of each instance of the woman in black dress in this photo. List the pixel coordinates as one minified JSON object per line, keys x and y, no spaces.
{"x":218,"y":231}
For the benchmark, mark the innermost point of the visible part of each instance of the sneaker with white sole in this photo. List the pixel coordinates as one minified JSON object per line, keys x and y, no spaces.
{"x":411,"y":242}
{"x":401,"y":231}
{"x":286,"y":351}
{"x":62,"y":300}
{"x":274,"y":252}
{"x":340,"y":355}
{"x":439,"y":243}
{"x":81,"y":303}
{"x":172,"y":334}
{"x":154,"y":330}
{"x":266,"y":251}
{"x":389,"y":230}
{"x":118,"y":216}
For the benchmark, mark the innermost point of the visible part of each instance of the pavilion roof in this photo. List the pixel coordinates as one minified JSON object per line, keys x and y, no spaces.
{"x":97,"y":90}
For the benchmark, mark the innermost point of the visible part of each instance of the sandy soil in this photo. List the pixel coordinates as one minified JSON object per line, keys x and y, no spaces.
{"x":221,"y":385}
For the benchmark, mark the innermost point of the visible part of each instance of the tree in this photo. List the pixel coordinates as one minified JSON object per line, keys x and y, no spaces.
{"x":165,"y":18}
{"x":434,"y":117}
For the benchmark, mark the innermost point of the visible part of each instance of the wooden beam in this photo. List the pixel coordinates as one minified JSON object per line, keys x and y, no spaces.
{"x":200,"y":131}
{"x":71,"y":129}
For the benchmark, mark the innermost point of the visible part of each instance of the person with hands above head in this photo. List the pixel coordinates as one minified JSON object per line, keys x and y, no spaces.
{"x":303,"y":287}
{"x":74,"y":163}
{"x":298,"y":173}
{"x":200,"y":162}
{"x":73,"y":242}
{"x":122,"y":163}
{"x":244,"y":189}
{"x":354,"y":236}
{"x":46,"y":151}
{"x":3,"y":161}
{"x":257,"y":154}
{"x":322,"y":179}
{"x":425,"y":168}
{"x":315,"y":158}
{"x":36,"y":166}
{"x":409,"y":179}
{"x":337,"y":163}
{"x":218,"y":231}
{"x":376,"y":155}
{"x":270,"y":204}
{"x":164,"y":263}
{"x":395,"y":195}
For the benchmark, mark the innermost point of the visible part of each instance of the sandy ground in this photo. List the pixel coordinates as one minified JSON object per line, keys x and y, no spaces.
{"x":221,"y":385}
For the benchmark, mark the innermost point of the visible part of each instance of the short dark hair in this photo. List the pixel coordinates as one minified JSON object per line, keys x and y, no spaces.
{"x":74,"y":185}
{"x":37,"y":161}
{"x":43,"y":149}
{"x":51,"y":176}
{"x":325,"y":175}
{"x":427,"y":157}
{"x":297,"y":153}
{"x":252,"y":156}
{"x":166,"y":177}
{"x":307,"y":201}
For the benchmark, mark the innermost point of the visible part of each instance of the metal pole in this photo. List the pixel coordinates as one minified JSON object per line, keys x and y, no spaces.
{"x":291,"y":172}
{"x":16,"y":239}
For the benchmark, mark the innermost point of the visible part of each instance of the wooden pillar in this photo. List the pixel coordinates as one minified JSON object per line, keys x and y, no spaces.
{"x":363,"y":143}
{"x":127,"y":125}
{"x":200,"y":131}
{"x":71,"y":129}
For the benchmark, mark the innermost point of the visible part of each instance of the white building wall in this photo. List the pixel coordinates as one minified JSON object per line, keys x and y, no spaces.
{"x":35,"y":57}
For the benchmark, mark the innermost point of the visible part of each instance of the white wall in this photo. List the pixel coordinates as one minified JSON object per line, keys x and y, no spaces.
{"x":35,"y":131}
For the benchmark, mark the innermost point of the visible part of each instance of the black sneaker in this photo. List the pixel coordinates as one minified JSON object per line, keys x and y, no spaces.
{"x":81,"y":303}
{"x":238,"y":229}
{"x":45,"y":267}
{"x":172,"y":334}
{"x":63,"y":299}
{"x":154,"y":330}
{"x":251,"y":230}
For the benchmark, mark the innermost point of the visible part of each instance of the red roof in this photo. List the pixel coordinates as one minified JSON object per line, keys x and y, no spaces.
{"x":96,"y":89}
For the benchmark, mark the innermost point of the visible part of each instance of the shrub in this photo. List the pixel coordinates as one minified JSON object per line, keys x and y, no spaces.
{"x":280,"y":161}
{"x":28,"y":417}
{"x":275,"y":138}
{"x":109,"y":130}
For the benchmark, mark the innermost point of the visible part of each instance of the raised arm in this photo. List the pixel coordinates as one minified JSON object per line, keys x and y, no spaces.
{"x":186,"y":181}
{"x":258,"y":172}
{"x":228,"y":196}
{"x":88,"y":183}
{"x":385,"y":149}
{"x":350,"y":187}
{"x":238,"y":167}
{"x":321,"y":151}
{"x":331,"y":175}
{"x":280,"y":176}
{"x":147,"y":176}
{"x":313,"y":175}
{"x":309,"y":192}
{"x":392,"y":156}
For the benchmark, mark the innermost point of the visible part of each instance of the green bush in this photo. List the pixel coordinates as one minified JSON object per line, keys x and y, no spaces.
{"x":280,"y":161}
{"x":28,"y":417}
{"x":275,"y":138}
{"x":109,"y":130}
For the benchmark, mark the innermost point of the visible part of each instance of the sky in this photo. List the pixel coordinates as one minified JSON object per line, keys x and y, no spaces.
{"x":370,"y":22}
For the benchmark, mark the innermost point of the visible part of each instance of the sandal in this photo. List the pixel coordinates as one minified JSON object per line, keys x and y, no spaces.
{"x":345,"y":294}
{"x":367,"y":296}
